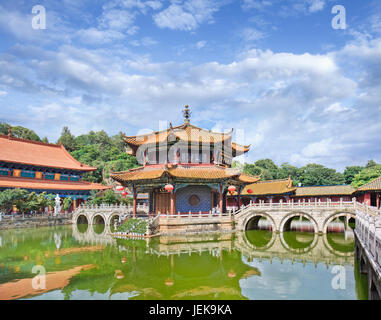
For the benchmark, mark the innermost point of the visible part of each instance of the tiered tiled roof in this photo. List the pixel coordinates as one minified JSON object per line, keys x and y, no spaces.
{"x":372,"y":185}
{"x":184,"y":172}
{"x":186,"y":133}
{"x":268,"y":187}
{"x":324,"y":190}
{"x":16,"y":150}
{"x":36,"y":184}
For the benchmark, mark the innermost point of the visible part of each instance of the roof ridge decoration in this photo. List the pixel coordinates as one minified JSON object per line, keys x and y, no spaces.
{"x":187,"y":113}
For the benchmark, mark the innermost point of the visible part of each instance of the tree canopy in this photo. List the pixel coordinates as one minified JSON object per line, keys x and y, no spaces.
{"x":99,"y":150}
{"x":366,"y":175}
{"x":19,"y":132}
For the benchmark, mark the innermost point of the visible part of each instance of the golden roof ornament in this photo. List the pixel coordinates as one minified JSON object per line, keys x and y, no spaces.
{"x":186,"y":113}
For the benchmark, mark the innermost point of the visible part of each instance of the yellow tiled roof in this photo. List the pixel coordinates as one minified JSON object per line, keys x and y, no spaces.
{"x":324,"y":190}
{"x":269,"y":187}
{"x":372,"y":185}
{"x":212,"y":172}
{"x":186,"y":132}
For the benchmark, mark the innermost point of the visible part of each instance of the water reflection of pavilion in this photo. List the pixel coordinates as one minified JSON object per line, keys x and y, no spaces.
{"x":300,"y":247}
{"x":207,"y":266}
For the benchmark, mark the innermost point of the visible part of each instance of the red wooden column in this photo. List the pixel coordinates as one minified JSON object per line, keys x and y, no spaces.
{"x":378,"y":200}
{"x":367,"y":198}
{"x":172,"y":201}
{"x":221,"y":198}
{"x":239,"y":197}
{"x":134,"y":203}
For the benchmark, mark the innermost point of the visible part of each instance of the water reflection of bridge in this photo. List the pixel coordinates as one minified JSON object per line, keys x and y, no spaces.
{"x":329,"y":249}
{"x":88,"y":234}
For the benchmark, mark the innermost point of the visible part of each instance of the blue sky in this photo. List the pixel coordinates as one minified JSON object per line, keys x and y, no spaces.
{"x":299,"y":90}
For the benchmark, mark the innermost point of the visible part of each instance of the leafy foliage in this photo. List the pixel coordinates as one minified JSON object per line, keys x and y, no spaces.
{"x":350,"y":172}
{"x":99,"y":150}
{"x":24,"y":201}
{"x":19,"y":132}
{"x":316,"y":174}
{"x":366,"y":175}
{"x":108,"y":197}
{"x":138,"y":226}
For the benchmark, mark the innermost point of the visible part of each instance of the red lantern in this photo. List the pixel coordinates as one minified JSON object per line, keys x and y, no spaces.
{"x":231,"y":189}
{"x":168,"y":188}
{"x":249,"y":190}
{"x":124,"y":193}
{"x":119,"y":188}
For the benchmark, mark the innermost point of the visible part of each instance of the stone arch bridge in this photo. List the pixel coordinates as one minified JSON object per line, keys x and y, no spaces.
{"x":107,"y":214}
{"x":279,"y":215}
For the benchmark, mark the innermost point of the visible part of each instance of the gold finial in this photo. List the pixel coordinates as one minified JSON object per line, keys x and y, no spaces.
{"x":186,"y":113}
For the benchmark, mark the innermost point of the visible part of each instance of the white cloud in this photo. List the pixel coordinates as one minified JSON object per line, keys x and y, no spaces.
{"x":120,"y":20}
{"x":316,"y":5}
{"x":251,"y":34}
{"x":174,"y":17}
{"x":96,"y":36}
{"x":3,"y":93}
{"x":200,"y":44}
{"x":336,"y":108}
{"x":187,"y":15}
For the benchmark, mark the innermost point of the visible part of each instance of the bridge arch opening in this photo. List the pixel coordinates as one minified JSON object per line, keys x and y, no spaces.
{"x":340,"y":223}
{"x":99,"y":224}
{"x":260,"y":222}
{"x":82,"y":219}
{"x":352,"y":223}
{"x":299,"y":222}
{"x":114,"y":218}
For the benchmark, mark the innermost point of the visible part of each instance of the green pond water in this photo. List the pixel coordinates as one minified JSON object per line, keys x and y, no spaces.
{"x":82,"y":262}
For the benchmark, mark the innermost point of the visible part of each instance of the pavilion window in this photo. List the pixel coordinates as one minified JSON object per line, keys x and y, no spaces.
{"x":49,"y":176}
{"x":4,"y":171}
{"x":64,"y":177}
{"x":27,"y":174}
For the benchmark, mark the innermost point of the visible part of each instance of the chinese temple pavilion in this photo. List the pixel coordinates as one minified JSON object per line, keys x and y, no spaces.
{"x":184,"y":169}
{"x":38,"y":167}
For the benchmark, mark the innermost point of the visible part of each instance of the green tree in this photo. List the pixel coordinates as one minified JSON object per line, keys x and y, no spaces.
{"x":366,"y":175}
{"x":110,"y":197}
{"x":67,"y":203}
{"x":67,"y":139}
{"x":371,"y":164}
{"x":350,"y":172}
{"x":269,"y":169}
{"x":11,"y":197}
{"x":19,"y":132}
{"x":287,"y":170}
{"x":252,"y":169}
{"x":315,"y":174}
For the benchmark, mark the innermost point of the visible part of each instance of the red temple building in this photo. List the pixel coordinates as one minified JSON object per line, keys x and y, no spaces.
{"x":370,"y":193}
{"x":277,"y":190}
{"x":38,"y":167}
{"x":266,"y":191}
{"x":184,"y":169}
